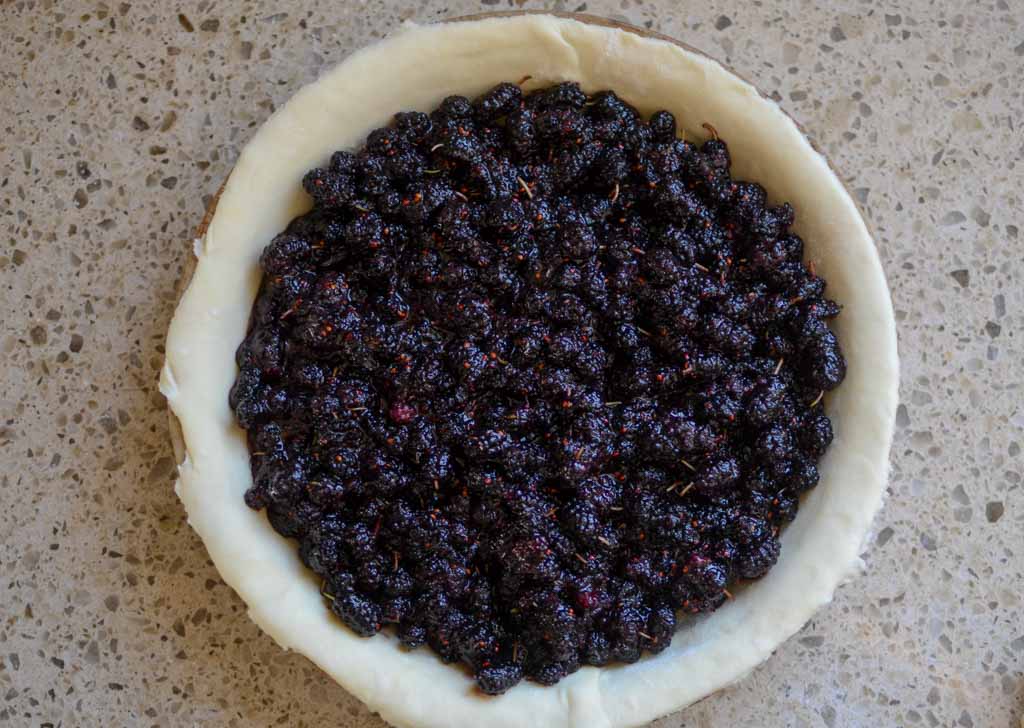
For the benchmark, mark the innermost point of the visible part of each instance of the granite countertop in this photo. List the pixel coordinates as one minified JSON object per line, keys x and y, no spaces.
{"x":120,"y":119}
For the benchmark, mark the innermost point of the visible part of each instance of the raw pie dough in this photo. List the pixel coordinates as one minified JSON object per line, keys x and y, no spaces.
{"x":415,"y":69}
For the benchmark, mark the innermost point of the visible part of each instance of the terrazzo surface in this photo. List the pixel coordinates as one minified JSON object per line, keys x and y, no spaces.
{"x":120,"y":120}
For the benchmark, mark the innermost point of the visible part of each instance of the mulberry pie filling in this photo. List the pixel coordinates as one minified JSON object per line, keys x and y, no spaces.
{"x":534,"y":380}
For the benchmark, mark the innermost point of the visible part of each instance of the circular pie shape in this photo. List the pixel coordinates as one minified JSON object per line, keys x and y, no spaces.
{"x":415,"y":69}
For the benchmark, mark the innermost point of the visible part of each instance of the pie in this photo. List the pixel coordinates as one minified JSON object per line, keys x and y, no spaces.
{"x":415,"y":69}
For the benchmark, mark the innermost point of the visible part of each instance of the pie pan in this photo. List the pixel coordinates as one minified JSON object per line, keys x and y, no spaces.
{"x":414,"y":69}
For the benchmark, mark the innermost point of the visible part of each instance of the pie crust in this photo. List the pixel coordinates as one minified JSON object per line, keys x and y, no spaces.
{"x":414,"y":69}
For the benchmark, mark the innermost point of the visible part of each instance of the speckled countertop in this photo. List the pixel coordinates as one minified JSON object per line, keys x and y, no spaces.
{"x":119,"y":119}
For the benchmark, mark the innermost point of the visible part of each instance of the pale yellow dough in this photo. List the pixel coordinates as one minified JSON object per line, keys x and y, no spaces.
{"x":415,"y":69}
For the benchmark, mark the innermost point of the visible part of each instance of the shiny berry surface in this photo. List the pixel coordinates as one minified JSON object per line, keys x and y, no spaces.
{"x":534,"y":380}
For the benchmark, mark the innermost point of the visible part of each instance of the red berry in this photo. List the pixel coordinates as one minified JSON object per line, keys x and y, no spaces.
{"x":401,"y":413}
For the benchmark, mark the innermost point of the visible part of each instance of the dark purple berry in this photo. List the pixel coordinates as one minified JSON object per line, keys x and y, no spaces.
{"x":532,"y":378}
